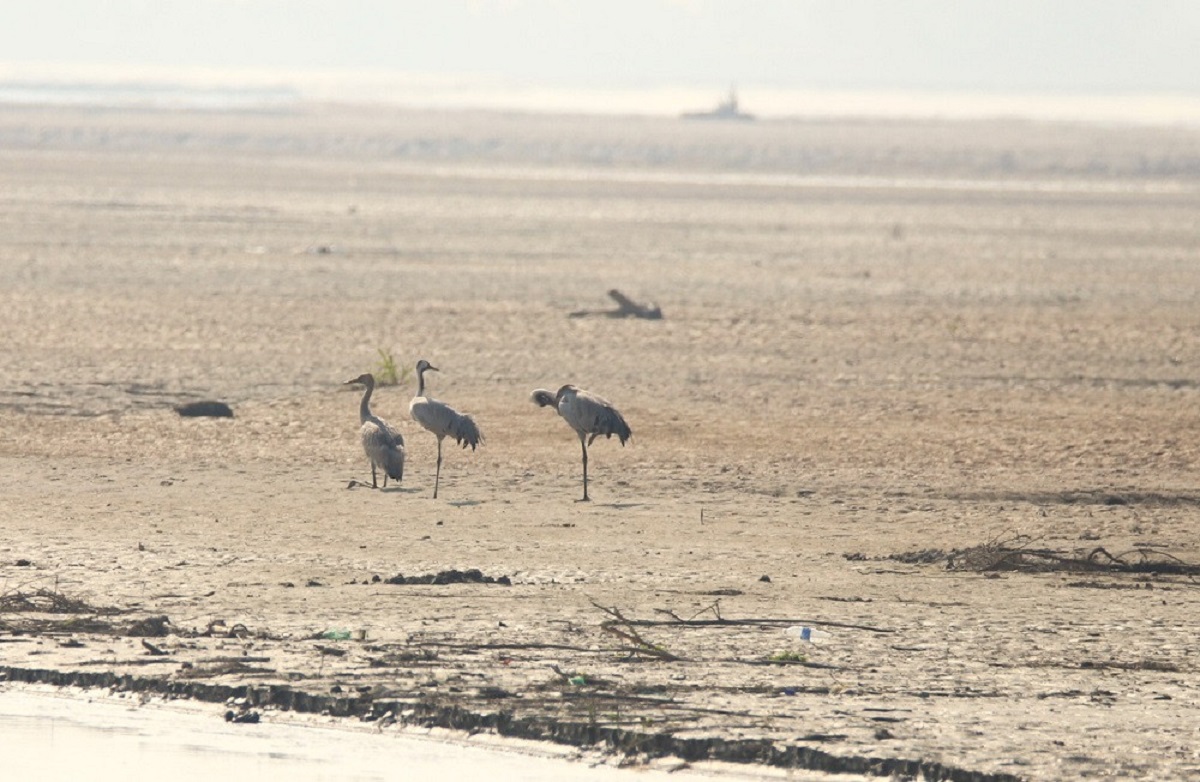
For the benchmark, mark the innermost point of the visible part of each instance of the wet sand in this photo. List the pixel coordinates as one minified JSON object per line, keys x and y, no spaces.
{"x":879,"y":339}
{"x":60,"y":735}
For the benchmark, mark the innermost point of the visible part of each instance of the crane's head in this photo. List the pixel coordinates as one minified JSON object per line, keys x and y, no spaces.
{"x":365,"y":379}
{"x":543,"y":398}
{"x":423,"y":365}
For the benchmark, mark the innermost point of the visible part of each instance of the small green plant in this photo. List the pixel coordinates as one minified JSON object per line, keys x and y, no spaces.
{"x":387,"y":373}
{"x":788,"y":657}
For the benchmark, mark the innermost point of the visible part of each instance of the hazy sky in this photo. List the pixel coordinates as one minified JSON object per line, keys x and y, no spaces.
{"x":1014,"y":45}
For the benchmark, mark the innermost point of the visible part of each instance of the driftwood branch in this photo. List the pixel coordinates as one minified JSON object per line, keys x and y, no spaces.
{"x":626,"y":308}
{"x":511,"y":646}
{"x":623,"y":629}
{"x":677,"y":621}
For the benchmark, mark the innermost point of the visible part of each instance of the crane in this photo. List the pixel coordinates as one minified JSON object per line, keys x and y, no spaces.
{"x":384,"y":444}
{"x":589,"y":415}
{"x":441,"y":419}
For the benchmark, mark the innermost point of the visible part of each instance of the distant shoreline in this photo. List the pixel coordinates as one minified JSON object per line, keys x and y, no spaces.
{"x":812,"y":152}
{"x":236,"y":92}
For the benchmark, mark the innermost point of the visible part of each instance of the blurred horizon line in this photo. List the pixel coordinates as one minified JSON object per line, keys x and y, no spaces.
{"x":214,"y":88}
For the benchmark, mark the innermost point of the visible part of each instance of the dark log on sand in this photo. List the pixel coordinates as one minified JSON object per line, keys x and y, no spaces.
{"x":626,"y":308}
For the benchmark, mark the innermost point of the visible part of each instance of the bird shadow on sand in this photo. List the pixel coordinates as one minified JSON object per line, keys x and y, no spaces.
{"x":617,"y":505}
{"x":464,"y":503}
{"x":393,"y":489}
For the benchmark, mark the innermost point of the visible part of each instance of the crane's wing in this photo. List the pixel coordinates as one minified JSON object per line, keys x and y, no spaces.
{"x":444,"y":421}
{"x":384,"y":445}
{"x":594,"y":416}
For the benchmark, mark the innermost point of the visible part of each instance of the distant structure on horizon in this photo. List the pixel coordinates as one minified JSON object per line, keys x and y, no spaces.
{"x":726,"y":109}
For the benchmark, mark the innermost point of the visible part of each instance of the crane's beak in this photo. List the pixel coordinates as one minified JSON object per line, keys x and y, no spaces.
{"x":433,"y":368}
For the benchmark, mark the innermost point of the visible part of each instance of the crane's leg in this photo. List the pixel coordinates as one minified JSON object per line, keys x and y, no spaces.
{"x":373,"y":484}
{"x":584,"y":446}
{"x":438,"y":476}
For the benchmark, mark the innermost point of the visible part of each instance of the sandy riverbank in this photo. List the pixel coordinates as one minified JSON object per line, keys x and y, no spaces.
{"x":878,"y":339}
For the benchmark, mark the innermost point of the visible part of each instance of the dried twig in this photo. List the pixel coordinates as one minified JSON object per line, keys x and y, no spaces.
{"x":48,"y":601}
{"x":721,"y":622}
{"x":623,"y":628}
{"x":503,"y":646}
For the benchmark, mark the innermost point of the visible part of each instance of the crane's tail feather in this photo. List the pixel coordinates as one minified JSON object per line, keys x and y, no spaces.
{"x":395,"y":464}
{"x":466,"y":432}
{"x":609,"y":424}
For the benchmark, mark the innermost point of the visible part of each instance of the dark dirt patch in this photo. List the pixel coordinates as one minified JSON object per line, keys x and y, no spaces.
{"x":472,"y":576}
{"x":1159,"y":666}
{"x":1109,"y":585}
{"x":205,"y":409}
{"x":150,"y":627}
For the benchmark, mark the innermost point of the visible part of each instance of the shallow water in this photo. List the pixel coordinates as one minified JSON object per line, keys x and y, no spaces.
{"x":51,"y":737}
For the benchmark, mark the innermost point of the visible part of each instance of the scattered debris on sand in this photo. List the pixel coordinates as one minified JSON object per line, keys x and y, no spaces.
{"x":1018,"y":554}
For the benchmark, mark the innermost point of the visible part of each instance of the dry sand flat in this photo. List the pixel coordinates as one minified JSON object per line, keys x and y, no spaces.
{"x":879,"y":339}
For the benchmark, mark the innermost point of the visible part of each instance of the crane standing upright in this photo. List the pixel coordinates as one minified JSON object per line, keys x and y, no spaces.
{"x":441,"y":419}
{"x":383,"y":443}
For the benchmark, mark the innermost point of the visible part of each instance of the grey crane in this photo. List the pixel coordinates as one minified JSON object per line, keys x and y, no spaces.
{"x":589,"y":415}
{"x":383,"y":443}
{"x":441,"y":419}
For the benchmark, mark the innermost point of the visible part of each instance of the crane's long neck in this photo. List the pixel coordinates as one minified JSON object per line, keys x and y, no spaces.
{"x":420,"y":382}
{"x":364,"y":409}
